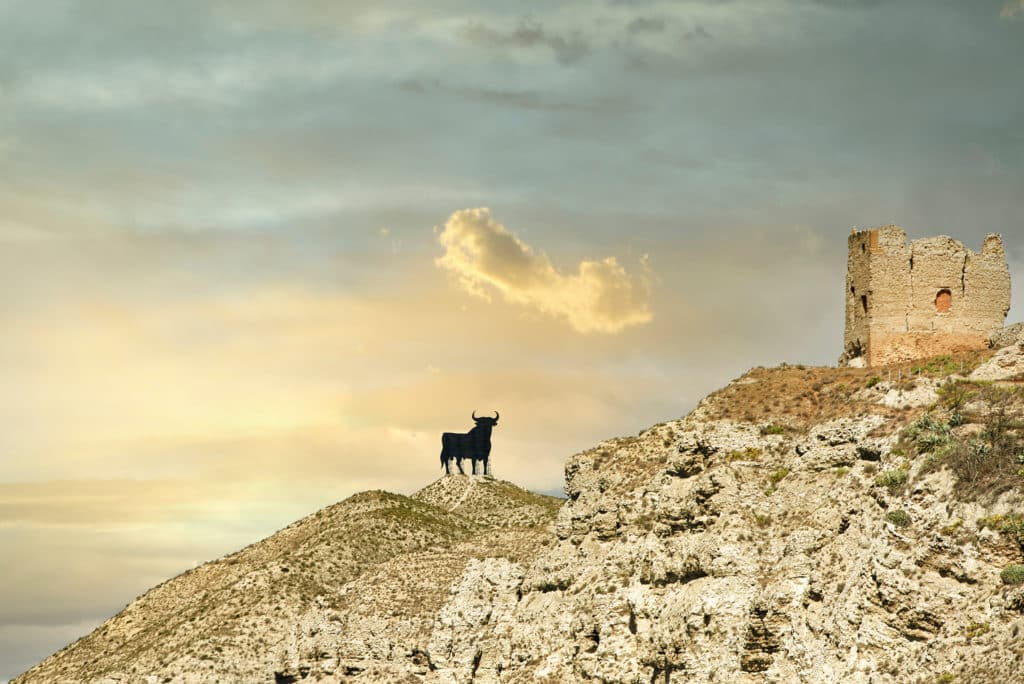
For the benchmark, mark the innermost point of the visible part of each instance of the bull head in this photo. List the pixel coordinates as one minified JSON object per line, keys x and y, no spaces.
{"x":484,"y":420}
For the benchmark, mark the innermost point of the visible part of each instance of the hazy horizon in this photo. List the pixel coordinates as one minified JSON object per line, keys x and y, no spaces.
{"x":257,"y":258}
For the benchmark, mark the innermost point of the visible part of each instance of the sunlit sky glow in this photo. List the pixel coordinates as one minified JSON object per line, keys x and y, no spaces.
{"x":256,"y":256}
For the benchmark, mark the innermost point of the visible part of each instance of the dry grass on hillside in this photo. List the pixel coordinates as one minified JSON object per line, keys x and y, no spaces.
{"x":796,"y":397}
{"x":977,"y":430}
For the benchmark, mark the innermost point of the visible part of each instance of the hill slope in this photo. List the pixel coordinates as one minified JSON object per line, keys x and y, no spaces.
{"x":352,"y":585}
{"x":801,"y":525}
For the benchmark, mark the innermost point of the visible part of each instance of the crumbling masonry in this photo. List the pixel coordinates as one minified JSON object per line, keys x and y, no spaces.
{"x":910,"y":301}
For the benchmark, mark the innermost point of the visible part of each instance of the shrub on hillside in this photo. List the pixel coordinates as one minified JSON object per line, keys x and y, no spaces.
{"x":1011,"y":524}
{"x":747,"y":454}
{"x":898,"y":518}
{"x":773,"y":429}
{"x":1012,"y":574}
{"x":928,"y":433}
{"x":954,"y":396}
{"x":989,"y":458}
{"x":892,"y":479}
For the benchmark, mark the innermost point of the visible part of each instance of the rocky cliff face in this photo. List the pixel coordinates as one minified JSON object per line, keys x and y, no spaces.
{"x":801,"y":525}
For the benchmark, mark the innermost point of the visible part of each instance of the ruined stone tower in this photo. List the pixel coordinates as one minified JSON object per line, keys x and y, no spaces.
{"x":932,"y":296}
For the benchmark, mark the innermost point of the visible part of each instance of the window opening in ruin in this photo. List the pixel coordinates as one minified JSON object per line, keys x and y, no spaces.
{"x":864,"y":302}
{"x":853,"y":290}
{"x":943,"y":300}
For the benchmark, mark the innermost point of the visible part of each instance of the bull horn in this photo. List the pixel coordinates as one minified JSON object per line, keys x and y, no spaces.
{"x":496,"y":416}
{"x":474,"y":414}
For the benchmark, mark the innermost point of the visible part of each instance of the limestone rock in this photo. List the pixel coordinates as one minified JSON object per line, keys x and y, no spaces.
{"x":1004,"y":337}
{"x":1007,"y":363}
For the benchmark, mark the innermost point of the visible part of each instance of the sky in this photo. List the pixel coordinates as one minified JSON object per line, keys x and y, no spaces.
{"x":255,"y":257}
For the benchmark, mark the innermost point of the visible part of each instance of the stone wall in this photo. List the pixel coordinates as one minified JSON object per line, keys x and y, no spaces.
{"x":931,"y":296}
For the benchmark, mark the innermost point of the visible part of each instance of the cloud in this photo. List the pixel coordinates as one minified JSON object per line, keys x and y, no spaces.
{"x":600,"y":297}
{"x":519,"y":99}
{"x":698,"y":33}
{"x":849,"y":4}
{"x":646,"y":25}
{"x":529,"y":34}
{"x":1012,"y":9}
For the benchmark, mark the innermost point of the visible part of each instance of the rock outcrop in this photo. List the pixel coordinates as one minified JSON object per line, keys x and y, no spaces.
{"x":1006,"y":364}
{"x":1004,"y":337}
{"x":801,"y":525}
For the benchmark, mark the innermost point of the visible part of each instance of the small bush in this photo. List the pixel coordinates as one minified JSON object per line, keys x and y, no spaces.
{"x":898,"y":518}
{"x":990,"y":461}
{"x":955,"y":395}
{"x":841,"y":470}
{"x":1014,"y":526}
{"x":748,"y":454}
{"x":778,"y":475}
{"x":927,"y":433}
{"x":892,"y":479}
{"x":1011,"y":524}
{"x":773,"y":429}
{"x":874,"y":381}
{"x":976,"y":629}
{"x":974,"y":461}
{"x":945,"y":678}
{"x":1012,"y":574}
{"x":952,"y":528}
{"x":762,"y":520}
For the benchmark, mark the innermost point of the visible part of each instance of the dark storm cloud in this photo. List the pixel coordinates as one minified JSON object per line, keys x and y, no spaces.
{"x":529,"y":34}
{"x":698,"y":33}
{"x":646,"y":25}
{"x":852,"y":4}
{"x":520,"y":99}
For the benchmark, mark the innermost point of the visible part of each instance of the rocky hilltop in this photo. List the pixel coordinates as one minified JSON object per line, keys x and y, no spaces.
{"x":800,"y":525}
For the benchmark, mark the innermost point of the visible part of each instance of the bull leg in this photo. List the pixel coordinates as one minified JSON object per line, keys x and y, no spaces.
{"x":458,"y":462}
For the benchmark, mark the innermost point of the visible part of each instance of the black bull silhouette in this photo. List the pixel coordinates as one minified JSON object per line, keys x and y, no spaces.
{"x":474,"y":445}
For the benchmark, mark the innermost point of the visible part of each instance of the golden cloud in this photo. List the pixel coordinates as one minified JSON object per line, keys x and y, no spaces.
{"x":600,"y":297}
